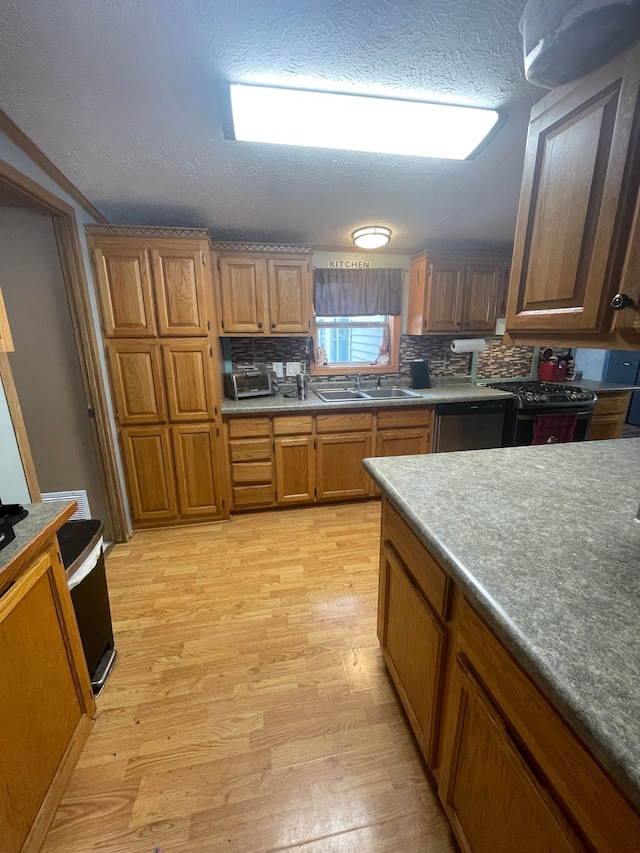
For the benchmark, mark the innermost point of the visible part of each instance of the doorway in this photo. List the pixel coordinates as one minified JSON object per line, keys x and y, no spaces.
{"x":53,"y":382}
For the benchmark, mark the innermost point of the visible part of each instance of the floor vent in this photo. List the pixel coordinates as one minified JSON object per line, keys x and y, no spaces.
{"x":80,"y":496}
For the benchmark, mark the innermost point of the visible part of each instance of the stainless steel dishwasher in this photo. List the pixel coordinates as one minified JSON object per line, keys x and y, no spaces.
{"x":472,"y":425}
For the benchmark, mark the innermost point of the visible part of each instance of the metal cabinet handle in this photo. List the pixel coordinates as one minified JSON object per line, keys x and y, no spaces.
{"x":273,"y":325}
{"x":260,"y":324}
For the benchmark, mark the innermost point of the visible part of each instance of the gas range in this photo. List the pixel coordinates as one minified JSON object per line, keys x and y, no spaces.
{"x":546,"y":395}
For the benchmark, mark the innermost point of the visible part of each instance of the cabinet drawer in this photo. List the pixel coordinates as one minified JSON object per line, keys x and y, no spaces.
{"x":293,"y":425}
{"x":252,"y":472}
{"x":246,"y":496}
{"x":250,"y":450}
{"x":391,"y":419}
{"x":612,"y":404}
{"x":432,"y":581}
{"x":249,"y":427}
{"x":347,"y":422}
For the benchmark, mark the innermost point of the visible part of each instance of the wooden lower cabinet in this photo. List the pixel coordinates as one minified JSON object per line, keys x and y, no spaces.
{"x":150,"y":474}
{"x":511,"y":773}
{"x":46,"y":703}
{"x":285,"y":459}
{"x":340,"y":471}
{"x":408,"y":622}
{"x":609,"y":414}
{"x":172,"y":473}
{"x":194,"y":448}
{"x":295,"y":464}
{"x":490,"y":793}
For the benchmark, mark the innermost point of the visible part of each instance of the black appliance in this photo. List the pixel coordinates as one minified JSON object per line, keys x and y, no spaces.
{"x":78,"y":542}
{"x":470,"y":425}
{"x":419,"y":371}
{"x":10,"y":514}
{"x":532,"y":399}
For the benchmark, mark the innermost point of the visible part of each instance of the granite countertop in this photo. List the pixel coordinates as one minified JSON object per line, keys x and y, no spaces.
{"x":42,"y":523}
{"x":544,"y":542}
{"x":427,"y":396}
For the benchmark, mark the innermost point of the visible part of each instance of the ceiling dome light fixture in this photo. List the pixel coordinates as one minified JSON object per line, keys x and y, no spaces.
{"x":371,"y":237}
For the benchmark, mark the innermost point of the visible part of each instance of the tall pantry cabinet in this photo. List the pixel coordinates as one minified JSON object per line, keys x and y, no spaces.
{"x":155,"y":289}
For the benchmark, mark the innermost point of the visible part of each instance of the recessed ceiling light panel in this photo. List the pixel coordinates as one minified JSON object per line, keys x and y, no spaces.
{"x":357,"y":123}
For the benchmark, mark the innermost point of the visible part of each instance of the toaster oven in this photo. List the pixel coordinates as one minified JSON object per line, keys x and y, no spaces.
{"x":249,"y":383}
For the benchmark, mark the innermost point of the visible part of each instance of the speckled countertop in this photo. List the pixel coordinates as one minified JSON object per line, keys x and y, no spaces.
{"x":43,"y":521}
{"x":430,"y":396}
{"x":543,"y":542}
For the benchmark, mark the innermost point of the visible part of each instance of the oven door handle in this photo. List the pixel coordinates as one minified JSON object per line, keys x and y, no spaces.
{"x":551,"y":411}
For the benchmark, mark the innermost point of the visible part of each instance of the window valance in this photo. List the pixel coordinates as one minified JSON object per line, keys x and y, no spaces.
{"x":355,"y":293}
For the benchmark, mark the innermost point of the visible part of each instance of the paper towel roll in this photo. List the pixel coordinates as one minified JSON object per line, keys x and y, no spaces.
{"x":468,"y":345}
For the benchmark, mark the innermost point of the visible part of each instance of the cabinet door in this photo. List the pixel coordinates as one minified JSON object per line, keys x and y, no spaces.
{"x":295,"y":470}
{"x":444,"y":309}
{"x":289,"y":289}
{"x":565,"y":243}
{"x":402,"y":442}
{"x":190,"y":383}
{"x":179,"y":283}
{"x":413,"y":642}
{"x":481,"y":292}
{"x":243,"y":295}
{"x":123,"y":275}
{"x":150,"y":474}
{"x":45,"y":701}
{"x":195,"y":452}
{"x":416,"y":305}
{"x":137,"y":382}
{"x":339,"y":460}
{"x":491,"y":795}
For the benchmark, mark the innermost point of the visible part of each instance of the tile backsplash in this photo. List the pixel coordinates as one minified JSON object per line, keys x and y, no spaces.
{"x":495,"y":361}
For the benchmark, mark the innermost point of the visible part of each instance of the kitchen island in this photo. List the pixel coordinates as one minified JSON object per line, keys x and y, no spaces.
{"x":539,"y":553}
{"x":46,"y":702}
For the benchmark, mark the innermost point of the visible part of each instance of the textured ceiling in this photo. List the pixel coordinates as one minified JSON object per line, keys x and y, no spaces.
{"x":123,"y":97}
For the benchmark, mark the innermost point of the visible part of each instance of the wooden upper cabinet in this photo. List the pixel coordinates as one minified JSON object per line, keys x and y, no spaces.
{"x":190,"y":383}
{"x":445,"y":295}
{"x":265,"y":294}
{"x":481,"y":294}
{"x":453,"y":295}
{"x":579,"y":191}
{"x":179,"y":282}
{"x":137,"y":382}
{"x":123,"y":275}
{"x":243,"y":295}
{"x":288,"y":285}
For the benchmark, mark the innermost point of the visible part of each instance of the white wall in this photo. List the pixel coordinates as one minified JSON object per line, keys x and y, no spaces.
{"x":13,"y":483}
{"x":592,"y":363}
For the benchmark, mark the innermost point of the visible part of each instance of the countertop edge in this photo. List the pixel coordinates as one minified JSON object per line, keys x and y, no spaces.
{"x":516,"y":643}
{"x":35,"y":542}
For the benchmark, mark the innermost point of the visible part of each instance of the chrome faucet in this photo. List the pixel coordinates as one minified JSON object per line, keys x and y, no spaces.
{"x":355,"y":380}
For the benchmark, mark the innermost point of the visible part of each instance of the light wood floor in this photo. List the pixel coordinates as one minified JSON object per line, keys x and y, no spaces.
{"x":249,"y":709}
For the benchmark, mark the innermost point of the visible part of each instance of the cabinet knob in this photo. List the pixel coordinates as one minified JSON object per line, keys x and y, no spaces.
{"x":273,"y":325}
{"x":459,"y":324}
{"x":260,"y":324}
{"x":621,"y":301}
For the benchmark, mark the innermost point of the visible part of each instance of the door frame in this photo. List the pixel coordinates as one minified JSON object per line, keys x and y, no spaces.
{"x":67,"y":235}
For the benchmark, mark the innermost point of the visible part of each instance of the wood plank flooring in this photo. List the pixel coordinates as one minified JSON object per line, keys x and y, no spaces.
{"x":249,"y":709}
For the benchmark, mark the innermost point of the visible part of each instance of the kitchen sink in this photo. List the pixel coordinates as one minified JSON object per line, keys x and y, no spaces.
{"x":351,"y":395}
{"x":388,"y":393}
{"x":337,"y":396}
